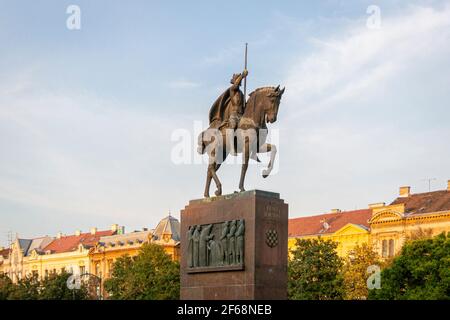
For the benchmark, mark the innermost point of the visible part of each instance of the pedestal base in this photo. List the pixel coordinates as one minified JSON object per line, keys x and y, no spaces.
{"x":263,"y":272}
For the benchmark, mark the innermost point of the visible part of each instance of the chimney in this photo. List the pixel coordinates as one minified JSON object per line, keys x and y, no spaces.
{"x":59,"y":235}
{"x":405,"y":192}
{"x":93,"y":230}
{"x":336,"y":210}
{"x":77,"y":232}
{"x":448,"y":185}
{"x":114,"y":227}
{"x":377,"y":205}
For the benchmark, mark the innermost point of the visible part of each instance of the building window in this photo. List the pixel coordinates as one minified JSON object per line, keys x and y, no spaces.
{"x":384,"y":251}
{"x":110,"y":267}
{"x":82,"y":269}
{"x":97,"y":268}
{"x":391,"y":247}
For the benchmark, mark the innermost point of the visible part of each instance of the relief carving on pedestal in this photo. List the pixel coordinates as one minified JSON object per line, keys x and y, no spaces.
{"x":219,"y":245}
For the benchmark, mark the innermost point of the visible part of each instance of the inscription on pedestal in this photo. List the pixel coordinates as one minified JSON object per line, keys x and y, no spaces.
{"x":216,"y":247}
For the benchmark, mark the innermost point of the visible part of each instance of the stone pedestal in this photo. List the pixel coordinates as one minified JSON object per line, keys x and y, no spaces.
{"x":260,"y":271}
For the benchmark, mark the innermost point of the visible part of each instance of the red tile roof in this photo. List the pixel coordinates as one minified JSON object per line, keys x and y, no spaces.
{"x":425,"y":202}
{"x":314,"y":225}
{"x":70,"y":243}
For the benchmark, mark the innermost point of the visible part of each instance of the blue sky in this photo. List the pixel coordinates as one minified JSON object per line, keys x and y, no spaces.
{"x":86,"y":116}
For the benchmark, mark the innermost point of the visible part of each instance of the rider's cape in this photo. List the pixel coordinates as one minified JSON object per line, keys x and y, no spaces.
{"x":218,"y":108}
{"x":216,"y":113}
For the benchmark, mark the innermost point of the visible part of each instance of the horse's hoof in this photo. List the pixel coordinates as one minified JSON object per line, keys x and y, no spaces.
{"x":242,"y":190}
{"x":265,"y":173}
{"x":206,"y":195}
{"x":218,"y":193}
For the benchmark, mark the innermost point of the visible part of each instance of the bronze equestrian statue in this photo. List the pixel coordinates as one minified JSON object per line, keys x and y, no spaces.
{"x":236,"y":126}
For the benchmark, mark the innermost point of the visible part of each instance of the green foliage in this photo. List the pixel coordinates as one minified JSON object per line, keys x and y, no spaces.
{"x":6,"y":287}
{"x":355,"y":273}
{"x":53,"y":287}
{"x":151,"y":275}
{"x":25,"y":289}
{"x":314,"y":271}
{"x":420,"y":272}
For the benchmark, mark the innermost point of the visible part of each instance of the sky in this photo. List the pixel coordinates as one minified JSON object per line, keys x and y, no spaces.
{"x":87,"y":116}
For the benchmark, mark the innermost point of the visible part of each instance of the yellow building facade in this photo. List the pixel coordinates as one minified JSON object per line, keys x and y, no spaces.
{"x":91,"y":253}
{"x":347,"y":229}
{"x":385,"y":227}
{"x":110,"y":248}
{"x":409,"y":216}
{"x":46,"y":255}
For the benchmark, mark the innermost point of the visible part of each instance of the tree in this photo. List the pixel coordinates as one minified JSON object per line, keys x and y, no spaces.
{"x":356,"y":273}
{"x":6,"y":287}
{"x":314,"y":271}
{"x":25,"y":289}
{"x":151,"y":275}
{"x":118,"y":286}
{"x":420,"y":272}
{"x":54,"y":287}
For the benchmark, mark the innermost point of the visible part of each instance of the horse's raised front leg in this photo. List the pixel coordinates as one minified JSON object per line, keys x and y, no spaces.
{"x":245,"y":157}
{"x":273,"y":152}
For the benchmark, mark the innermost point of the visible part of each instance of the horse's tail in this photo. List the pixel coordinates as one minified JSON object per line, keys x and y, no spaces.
{"x":201,"y":144}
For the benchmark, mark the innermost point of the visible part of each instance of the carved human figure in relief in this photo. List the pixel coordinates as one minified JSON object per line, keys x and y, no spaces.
{"x":240,"y":242}
{"x":224,"y":244}
{"x":203,"y":245}
{"x":232,"y":243}
{"x":190,"y":240}
{"x":213,"y":252}
{"x":195,"y":245}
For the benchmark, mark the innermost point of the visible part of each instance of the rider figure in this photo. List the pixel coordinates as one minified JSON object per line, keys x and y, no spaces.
{"x":236,"y":107}
{"x":237,"y":100}
{"x":227,"y":110}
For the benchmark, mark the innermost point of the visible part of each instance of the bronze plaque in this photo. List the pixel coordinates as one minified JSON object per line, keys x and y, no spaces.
{"x":216,"y":247}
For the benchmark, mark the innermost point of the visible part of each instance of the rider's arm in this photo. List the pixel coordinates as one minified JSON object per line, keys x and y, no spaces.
{"x":239,"y":80}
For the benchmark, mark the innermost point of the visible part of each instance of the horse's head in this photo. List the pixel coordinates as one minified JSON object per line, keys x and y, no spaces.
{"x":262,"y":106}
{"x":273,"y":103}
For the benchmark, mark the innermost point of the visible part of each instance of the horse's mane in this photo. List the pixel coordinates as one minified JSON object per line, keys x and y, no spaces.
{"x":262,"y":89}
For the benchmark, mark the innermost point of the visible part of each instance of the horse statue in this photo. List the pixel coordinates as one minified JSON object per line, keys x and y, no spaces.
{"x":248,"y":139}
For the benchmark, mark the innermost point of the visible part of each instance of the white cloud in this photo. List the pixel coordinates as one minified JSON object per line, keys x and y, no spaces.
{"x":357,"y":60}
{"x":364,"y":111}
{"x":82,"y":156}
